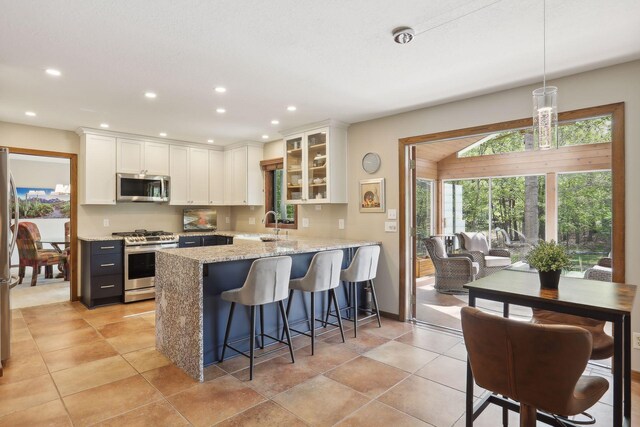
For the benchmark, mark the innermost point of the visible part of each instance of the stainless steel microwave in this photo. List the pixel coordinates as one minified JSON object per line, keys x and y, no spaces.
{"x":142,"y":188}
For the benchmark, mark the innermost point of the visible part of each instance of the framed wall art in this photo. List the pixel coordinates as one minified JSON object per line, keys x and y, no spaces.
{"x":372,"y":195}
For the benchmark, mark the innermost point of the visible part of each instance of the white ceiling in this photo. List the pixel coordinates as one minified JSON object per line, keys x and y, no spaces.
{"x":332,"y":58}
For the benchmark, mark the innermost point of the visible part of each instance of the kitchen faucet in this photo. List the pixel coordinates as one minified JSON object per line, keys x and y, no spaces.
{"x":275,"y":216}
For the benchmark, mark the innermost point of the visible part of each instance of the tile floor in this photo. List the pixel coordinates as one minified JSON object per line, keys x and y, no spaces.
{"x":73,"y":366}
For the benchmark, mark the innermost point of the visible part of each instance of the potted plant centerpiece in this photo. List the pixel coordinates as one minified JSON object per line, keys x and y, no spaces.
{"x":549,"y":259}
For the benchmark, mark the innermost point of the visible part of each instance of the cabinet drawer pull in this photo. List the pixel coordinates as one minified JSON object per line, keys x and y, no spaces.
{"x":189,"y":243}
{"x":107,"y":247}
{"x":107,"y":265}
{"x":107,"y":286}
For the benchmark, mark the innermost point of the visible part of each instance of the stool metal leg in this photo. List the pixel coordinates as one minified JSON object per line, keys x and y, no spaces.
{"x":252,"y":341}
{"x":375,"y":302}
{"x":355,"y":309}
{"x":288,"y":310}
{"x":286,"y":329}
{"x":226,"y":333}
{"x":262,"y":327}
{"x":332,"y":296}
{"x":313,"y":323}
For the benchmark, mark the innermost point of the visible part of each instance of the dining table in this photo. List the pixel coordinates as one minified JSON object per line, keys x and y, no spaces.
{"x":610,"y":302}
{"x":59,"y":244}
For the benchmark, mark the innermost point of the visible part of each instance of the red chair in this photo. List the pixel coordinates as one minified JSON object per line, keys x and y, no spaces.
{"x":34,"y":257}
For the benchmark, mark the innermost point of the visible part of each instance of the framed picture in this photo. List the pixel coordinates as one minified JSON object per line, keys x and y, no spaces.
{"x":372,"y":195}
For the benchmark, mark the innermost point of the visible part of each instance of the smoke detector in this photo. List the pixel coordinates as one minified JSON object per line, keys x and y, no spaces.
{"x":403,"y":35}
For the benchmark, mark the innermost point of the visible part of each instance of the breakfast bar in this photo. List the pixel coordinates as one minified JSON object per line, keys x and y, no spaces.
{"x":191,"y":316}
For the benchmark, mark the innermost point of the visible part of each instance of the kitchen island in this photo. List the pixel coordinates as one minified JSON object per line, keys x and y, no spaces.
{"x":190,"y":315}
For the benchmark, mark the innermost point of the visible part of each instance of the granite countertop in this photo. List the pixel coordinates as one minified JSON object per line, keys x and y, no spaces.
{"x":99,"y":238}
{"x":185,"y":233}
{"x":251,"y":249}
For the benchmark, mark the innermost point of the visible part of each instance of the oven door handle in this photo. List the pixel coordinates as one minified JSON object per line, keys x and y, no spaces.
{"x":151,"y":248}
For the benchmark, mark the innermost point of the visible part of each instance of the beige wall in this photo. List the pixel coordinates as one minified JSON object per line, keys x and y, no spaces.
{"x":23,"y":136}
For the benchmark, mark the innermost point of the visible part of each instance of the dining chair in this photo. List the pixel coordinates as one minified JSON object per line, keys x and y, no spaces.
{"x":540,"y":366}
{"x":31,"y":256}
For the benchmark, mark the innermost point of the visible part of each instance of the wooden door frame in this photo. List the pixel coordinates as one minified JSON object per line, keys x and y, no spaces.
{"x":73,"y":176}
{"x":616,"y":110}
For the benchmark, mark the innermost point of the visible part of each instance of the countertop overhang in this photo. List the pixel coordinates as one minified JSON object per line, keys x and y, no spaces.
{"x":244,"y":247}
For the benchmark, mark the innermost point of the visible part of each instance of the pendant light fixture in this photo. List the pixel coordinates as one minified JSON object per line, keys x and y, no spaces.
{"x":545,"y":98}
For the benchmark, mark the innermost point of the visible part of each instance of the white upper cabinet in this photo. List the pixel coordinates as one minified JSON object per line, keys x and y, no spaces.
{"x":130,"y":156}
{"x":315,"y":162}
{"x":216,"y":177}
{"x":179,"y":172}
{"x":136,"y":156}
{"x":156,"y":158}
{"x":97,"y":169}
{"x":199,"y":176}
{"x":189,"y":173}
{"x":243,"y":176}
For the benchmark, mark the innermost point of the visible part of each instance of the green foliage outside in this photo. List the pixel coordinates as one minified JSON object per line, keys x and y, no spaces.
{"x":285,"y":212}
{"x":584,"y":199}
{"x":423,"y":213}
{"x":588,"y":131}
{"x":548,"y":256}
{"x":585,"y":216}
{"x":591,"y":131}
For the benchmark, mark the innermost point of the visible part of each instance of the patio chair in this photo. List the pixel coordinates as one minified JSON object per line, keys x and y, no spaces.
{"x":452,"y":270}
{"x":507,"y":240}
{"x":31,"y":256}
{"x":601,"y":271}
{"x":489,"y":260}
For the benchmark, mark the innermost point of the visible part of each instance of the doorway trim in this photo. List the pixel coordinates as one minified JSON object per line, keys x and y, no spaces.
{"x":73,"y":176}
{"x":406,"y":150}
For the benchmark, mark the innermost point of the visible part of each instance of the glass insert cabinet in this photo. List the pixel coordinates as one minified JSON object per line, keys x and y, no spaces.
{"x":315,"y":165}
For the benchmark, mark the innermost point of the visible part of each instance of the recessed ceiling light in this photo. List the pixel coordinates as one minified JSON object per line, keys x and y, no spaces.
{"x":291,"y":108}
{"x":30,"y":113}
{"x":265,"y":136}
{"x":163,"y":134}
{"x":275,"y":122}
{"x":210,"y":141}
{"x":104,"y":125}
{"x":150,"y":95}
{"x":53,"y":72}
{"x":220,"y":89}
{"x":221,"y":110}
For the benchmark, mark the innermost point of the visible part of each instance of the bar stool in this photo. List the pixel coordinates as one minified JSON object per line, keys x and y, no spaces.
{"x":362,"y":269}
{"x":267,"y":282}
{"x":323,"y":275}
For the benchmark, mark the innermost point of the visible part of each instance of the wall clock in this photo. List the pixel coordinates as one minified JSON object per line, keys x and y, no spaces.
{"x":371,"y":162}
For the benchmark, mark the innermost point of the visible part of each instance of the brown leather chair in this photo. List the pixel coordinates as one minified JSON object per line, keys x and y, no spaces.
{"x":602,"y":342}
{"x":540,"y":366}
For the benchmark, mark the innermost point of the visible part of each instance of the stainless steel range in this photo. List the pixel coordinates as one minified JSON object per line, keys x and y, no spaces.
{"x":140,"y":249}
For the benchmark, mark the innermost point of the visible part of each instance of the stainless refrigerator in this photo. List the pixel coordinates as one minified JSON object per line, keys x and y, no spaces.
{"x":8,"y":214}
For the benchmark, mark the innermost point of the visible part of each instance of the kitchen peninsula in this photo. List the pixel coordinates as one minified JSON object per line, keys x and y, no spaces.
{"x":190,"y":315}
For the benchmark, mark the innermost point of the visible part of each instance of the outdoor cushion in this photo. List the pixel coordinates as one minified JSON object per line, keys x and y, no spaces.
{"x":497,"y":261}
{"x":476,"y":268}
{"x":476,"y":242}
{"x":439,"y":247}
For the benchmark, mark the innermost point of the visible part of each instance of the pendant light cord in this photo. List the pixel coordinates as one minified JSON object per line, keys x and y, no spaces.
{"x":544,"y":45}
